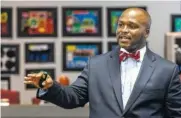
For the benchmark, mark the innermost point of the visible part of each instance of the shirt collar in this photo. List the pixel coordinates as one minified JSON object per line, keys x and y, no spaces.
{"x":142,"y":52}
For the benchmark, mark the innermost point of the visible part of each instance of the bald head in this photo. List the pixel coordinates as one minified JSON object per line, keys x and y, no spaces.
{"x":140,"y":14}
{"x":133,"y":29}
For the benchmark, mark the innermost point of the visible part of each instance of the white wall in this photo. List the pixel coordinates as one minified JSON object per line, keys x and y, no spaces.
{"x":159,"y":11}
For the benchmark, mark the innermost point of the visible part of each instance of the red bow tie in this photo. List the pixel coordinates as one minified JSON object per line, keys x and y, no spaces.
{"x":123,"y":55}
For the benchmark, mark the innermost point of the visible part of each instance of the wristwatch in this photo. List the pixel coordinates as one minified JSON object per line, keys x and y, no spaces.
{"x":43,"y":78}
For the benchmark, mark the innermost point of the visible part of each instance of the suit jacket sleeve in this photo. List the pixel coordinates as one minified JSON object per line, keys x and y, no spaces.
{"x":173,"y":100}
{"x":75,"y":95}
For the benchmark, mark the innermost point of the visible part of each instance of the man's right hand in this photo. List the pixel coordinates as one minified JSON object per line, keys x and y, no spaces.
{"x":34,"y":79}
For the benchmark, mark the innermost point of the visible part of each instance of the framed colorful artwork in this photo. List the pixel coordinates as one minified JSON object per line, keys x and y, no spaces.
{"x":82,"y":21}
{"x":6,"y":22}
{"x":113,"y":15}
{"x":37,"y":22}
{"x":39,"y":52}
{"x":176,"y":23}
{"x":51,"y":72}
{"x":75,"y":55}
{"x":173,"y":48}
{"x":10,"y":58}
{"x":111,"y":45}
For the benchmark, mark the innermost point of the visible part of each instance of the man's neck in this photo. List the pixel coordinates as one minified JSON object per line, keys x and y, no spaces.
{"x":134,"y":49}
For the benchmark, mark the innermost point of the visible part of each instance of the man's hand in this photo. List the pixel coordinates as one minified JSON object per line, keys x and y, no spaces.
{"x":35,"y":78}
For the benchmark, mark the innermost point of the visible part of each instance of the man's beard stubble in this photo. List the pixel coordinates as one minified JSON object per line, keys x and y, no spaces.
{"x":136,"y":45}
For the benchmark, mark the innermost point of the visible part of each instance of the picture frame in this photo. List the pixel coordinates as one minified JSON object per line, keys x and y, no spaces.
{"x":176,"y":22}
{"x":76,"y":54}
{"x":50,"y":71}
{"x":82,"y":21}
{"x":10,"y":58}
{"x":39,"y":52}
{"x":111,"y":45}
{"x":6,"y":22}
{"x":5,"y":83}
{"x":113,"y":13}
{"x":173,"y":48}
{"x":37,"y":22}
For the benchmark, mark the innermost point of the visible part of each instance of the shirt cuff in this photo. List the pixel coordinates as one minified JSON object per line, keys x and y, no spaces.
{"x":42,"y":92}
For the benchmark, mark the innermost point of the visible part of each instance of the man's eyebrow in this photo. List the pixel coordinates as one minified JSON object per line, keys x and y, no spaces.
{"x":131,"y":22}
{"x":119,"y":21}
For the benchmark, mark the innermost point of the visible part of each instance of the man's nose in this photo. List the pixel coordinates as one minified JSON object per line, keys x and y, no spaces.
{"x":125,"y":29}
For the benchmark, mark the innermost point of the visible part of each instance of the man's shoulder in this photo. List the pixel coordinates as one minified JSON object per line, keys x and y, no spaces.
{"x":163,"y":61}
{"x":101,"y":57}
{"x":105,"y":56}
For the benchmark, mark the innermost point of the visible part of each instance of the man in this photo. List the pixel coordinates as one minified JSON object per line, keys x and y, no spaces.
{"x":128,"y":82}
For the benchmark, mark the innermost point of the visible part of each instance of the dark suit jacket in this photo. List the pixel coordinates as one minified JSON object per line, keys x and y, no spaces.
{"x":156,"y":94}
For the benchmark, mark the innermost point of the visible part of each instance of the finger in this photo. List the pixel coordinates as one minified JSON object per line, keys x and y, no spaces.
{"x":47,"y":83}
{"x":32,"y":75}
{"x":39,"y":75}
{"x":31,"y":83}
{"x":28,"y":78}
{"x":28,"y":82}
{"x":49,"y":80}
{"x":35,"y":75}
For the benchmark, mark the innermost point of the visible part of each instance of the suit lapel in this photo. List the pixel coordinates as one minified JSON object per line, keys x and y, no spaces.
{"x":115,"y":75}
{"x":145,"y":72}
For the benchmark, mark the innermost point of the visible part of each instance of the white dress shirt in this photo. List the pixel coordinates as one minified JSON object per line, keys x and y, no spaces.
{"x":129,"y":72}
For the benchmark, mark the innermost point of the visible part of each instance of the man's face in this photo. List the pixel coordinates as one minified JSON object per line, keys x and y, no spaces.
{"x":131,"y":32}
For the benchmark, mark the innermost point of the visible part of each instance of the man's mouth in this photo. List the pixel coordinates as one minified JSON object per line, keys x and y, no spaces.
{"x":125,"y":38}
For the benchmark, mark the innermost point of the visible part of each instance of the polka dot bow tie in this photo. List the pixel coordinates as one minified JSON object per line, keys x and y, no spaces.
{"x":123,"y":55}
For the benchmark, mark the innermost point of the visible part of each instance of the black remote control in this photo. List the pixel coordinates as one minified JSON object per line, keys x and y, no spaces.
{"x":42,"y":79}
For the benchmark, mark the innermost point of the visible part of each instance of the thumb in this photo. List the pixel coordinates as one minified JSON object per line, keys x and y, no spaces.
{"x":49,"y":81}
{"x":47,"y":84}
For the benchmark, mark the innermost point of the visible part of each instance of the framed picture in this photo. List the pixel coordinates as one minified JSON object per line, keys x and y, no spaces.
{"x":173,"y":48}
{"x":6,"y":22}
{"x":37,"y":22}
{"x":51,"y":72}
{"x":111,"y":45}
{"x":113,"y":15}
{"x":75,"y":55}
{"x":39,"y":52}
{"x":5,"y":83}
{"x":176,"y":23}
{"x":10,"y":58}
{"x":82,"y":21}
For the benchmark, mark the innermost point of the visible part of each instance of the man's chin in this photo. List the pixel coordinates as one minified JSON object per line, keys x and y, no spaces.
{"x":125,"y":46}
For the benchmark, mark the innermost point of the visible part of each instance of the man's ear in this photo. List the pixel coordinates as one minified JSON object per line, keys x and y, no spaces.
{"x":147,"y":32}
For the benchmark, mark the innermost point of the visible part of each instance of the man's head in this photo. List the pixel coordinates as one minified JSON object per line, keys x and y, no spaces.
{"x":133,"y":29}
